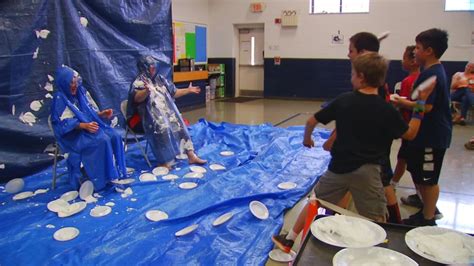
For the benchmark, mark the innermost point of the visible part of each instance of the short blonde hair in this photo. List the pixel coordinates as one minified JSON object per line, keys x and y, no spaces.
{"x":373,"y":66}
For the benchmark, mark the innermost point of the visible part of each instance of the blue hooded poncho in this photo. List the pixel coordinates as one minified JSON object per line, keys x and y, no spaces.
{"x":164,"y":127}
{"x":101,"y":153}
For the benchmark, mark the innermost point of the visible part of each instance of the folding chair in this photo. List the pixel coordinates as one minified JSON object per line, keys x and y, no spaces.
{"x":57,"y":153}
{"x":123,"y":109}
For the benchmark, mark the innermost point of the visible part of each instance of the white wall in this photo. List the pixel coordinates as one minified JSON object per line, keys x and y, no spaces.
{"x":196,"y":11}
{"x":312,"y":38}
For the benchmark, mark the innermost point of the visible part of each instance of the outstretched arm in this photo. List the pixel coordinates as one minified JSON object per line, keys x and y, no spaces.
{"x":188,"y":90}
{"x":308,"y":131}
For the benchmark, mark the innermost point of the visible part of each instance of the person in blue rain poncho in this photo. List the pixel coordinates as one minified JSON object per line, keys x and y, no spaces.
{"x":151,"y":103}
{"x":80,"y":130}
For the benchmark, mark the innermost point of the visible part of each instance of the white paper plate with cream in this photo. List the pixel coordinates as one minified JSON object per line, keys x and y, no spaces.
{"x":222,"y":219}
{"x":346,"y":231}
{"x":66,"y":234}
{"x":441,"y":245}
{"x":259,"y":210}
{"x":156,"y":215}
{"x":186,"y":230}
{"x":371,"y":256}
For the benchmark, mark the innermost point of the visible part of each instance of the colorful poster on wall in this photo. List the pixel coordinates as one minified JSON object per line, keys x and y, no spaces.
{"x":190,"y":41}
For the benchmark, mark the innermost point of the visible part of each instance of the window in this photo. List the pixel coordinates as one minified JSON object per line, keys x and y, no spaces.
{"x":339,"y":6}
{"x":459,"y":5}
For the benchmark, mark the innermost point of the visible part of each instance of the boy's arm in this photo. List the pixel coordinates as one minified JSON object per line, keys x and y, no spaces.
{"x":419,"y":110}
{"x":407,"y":104}
{"x":327,"y":146}
{"x":308,"y":131}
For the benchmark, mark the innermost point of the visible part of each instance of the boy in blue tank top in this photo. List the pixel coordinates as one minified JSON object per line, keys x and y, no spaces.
{"x":426,"y":151}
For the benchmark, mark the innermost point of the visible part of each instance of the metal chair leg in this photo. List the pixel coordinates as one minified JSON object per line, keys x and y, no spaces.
{"x":55,"y":164}
{"x":141,"y":148}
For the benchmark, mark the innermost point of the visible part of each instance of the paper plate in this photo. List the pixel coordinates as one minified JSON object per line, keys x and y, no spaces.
{"x":15,"y":185}
{"x":87,"y":188}
{"x":280,"y":256}
{"x":125,"y":181}
{"x":147,"y":177}
{"x":100,"y":211}
{"x":371,"y":256}
{"x":23,"y":195}
{"x":155,"y":215}
{"x":68,"y":196}
{"x":197,"y":169}
{"x":222,"y":219}
{"x":186,"y":230}
{"x":90,"y":199}
{"x":441,"y":245}
{"x":188,"y":185}
{"x":66,"y":234}
{"x":259,"y":210}
{"x":287,"y":185}
{"x":346,"y":231}
{"x":72,"y":209}
{"x":130,"y":170}
{"x":170,"y":177}
{"x":160,"y":170}
{"x":110,"y":204}
{"x":182,"y":156}
{"x":227,"y":153}
{"x":58,"y":205}
{"x":193,"y":175}
{"x":383,"y":35}
{"x":425,"y":84}
{"x":41,"y":191}
{"x":216,"y":167}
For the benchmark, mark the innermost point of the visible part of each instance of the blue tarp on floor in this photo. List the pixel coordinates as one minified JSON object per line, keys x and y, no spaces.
{"x":264,"y":157}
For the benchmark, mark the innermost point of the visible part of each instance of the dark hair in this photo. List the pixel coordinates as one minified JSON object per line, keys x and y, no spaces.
{"x":365,"y":41}
{"x":373,"y":66}
{"x":437,"y":39}
{"x":410,"y":50}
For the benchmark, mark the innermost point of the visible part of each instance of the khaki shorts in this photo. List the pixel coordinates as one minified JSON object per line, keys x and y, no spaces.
{"x":364,"y":184}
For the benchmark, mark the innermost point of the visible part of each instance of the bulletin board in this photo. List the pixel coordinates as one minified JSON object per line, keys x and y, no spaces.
{"x":189,"y":41}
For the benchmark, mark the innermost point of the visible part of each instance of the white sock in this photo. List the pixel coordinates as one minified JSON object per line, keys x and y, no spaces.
{"x":291,"y":235}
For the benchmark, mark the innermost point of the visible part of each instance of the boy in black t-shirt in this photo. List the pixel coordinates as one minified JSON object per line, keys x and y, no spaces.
{"x":366,"y":126}
{"x":426,"y":151}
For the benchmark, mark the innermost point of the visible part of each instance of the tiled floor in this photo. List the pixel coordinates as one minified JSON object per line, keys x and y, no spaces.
{"x":456,"y":200}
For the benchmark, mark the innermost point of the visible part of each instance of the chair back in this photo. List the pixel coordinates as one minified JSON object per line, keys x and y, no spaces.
{"x":123,"y":108}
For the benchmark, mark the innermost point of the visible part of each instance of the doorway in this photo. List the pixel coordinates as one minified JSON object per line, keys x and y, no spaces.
{"x":250,"y":71}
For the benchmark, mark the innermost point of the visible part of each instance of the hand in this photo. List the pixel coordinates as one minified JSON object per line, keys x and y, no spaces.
{"x":91,"y":127}
{"x":308,"y":143}
{"x":107,"y":113}
{"x":192,"y":89}
{"x":424,"y":94}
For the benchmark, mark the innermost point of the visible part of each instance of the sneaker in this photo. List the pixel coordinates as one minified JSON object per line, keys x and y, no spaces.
{"x":438,"y":215}
{"x":282,"y":243}
{"x":412,"y":200}
{"x":419,"y":221}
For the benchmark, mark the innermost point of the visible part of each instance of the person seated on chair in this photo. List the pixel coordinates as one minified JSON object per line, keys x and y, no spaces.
{"x":462,"y":86}
{"x":151,"y":96}
{"x":81,"y":131}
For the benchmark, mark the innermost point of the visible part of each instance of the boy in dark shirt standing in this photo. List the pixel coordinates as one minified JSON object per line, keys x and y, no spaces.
{"x":366,"y":125}
{"x":426,"y":151}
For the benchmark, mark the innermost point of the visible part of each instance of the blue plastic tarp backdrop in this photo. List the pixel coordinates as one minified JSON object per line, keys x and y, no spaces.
{"x":98,"y":38}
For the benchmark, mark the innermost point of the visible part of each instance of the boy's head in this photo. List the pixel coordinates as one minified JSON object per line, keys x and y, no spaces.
{"x":430,"y":44}
{"x":408,"y":62}
{"x":368,"y":70}
{"x":362,"y":42}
